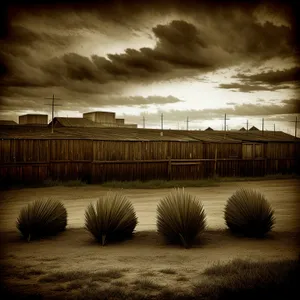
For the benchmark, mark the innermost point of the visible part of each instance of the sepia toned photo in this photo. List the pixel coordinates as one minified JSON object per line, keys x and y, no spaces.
{"x":149,"y":150}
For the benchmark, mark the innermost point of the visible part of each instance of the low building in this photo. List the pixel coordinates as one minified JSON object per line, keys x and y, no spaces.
{"x":8,"y":123}
{"x":120,"y":121}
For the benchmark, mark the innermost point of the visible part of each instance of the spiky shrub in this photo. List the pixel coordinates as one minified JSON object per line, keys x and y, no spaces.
{"x":111,"y":218}
{"x":180,"y":217}
{"x":41,"y":218}
{"x":247,"y":212}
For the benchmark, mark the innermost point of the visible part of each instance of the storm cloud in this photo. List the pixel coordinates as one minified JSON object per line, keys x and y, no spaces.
{"x":180,"y":45}
{"x":129,"y":53}
{"x":273,"y":77}
{"x":248,"y":88}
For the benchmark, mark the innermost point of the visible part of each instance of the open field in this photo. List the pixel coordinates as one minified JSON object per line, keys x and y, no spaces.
{"x":73,"y":265}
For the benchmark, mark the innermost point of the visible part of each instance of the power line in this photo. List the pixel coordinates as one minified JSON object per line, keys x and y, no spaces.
{"x":53,"y":105}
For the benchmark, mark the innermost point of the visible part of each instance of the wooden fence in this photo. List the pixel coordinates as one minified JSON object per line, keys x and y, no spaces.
{"x":34,"y":160}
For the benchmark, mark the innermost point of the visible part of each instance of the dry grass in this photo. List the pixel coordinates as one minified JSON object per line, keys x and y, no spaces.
{"x":168,"y":271}
{"x":238,"y":279}
{"x":149,"y":274}
{"x":104,"y":276}
{"x":182,"y":278}
{"x":245,"y":280}
{"x":161,"y":184}
{"x":110,"y":274}
{"x":147,"y":284}
{"x":64,"y":276}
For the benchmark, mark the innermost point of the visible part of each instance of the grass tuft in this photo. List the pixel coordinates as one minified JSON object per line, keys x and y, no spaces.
{"x":180,"y":218}
{"x":248,"y":212}
{"x":42,"y":218}
{"x":112,"y":218}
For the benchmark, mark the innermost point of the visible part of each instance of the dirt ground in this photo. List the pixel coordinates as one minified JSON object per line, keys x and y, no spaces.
{"x":146,"y":255}
{"x":284,"y":196}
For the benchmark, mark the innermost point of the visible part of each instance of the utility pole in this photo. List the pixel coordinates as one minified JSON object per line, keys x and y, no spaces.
{"x":162,"y":121}
{"x":187,"y":123}
{"x":296,"y":123}
{"x":225,"y":119}
{"x":262,"y":125}
{"x":53,"y":105}
{"x":274,"y":128}
{"x":144,"y":122}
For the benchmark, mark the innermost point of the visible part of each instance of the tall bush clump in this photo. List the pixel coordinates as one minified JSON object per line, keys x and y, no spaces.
{"x":42,"y":217}
{"x":248,"y":212}
{"x":180,"y":218}
{"x":112,"y":218}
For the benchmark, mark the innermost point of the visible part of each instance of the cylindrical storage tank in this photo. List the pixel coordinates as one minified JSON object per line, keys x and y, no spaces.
{"x":101,"y":117}
{"x":33,"y":119}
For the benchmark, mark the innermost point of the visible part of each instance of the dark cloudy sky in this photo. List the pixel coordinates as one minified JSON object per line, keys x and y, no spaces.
{"x":137,"y":58}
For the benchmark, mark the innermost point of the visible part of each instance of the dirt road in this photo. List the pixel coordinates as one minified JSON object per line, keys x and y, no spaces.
{"x":283,"y":195}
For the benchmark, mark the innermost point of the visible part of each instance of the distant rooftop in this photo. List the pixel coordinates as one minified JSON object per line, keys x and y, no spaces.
{"x":34,"y":115}
{"x":139,"y":134}
{"x":74,"y":122}
{"x":8,"y":122}
{"x":253,"y":128}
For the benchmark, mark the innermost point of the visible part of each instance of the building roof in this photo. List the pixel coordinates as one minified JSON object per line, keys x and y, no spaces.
{"x":253,"y":128}
{"x":138,"y":134}
{"x":208,"y":129}
{"x":74,"y":122}
{"x":243,"y":129}
{"x":34,"y":115}
{"x":8,"y":122}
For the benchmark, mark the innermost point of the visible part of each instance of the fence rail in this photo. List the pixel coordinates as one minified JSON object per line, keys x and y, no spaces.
{"x":100,"y":171}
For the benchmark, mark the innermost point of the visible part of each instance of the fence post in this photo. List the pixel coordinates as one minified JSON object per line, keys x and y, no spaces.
{"x":92,"y":165}
{"x":215,"y":164}
{"x":265,"y":173}
{"x":169,"y":168}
